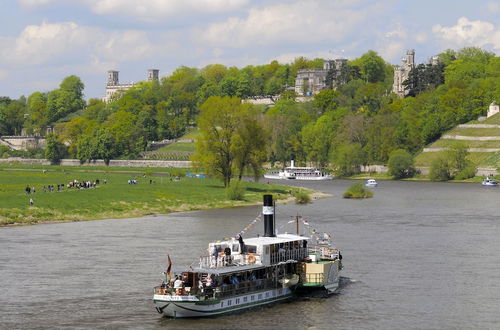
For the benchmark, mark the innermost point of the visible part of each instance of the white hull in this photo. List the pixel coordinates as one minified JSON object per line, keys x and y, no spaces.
{"x":304,"y":178}
{"x":171,"y":307}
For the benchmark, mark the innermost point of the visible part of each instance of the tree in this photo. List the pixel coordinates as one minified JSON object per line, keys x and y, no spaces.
{"x":36,"y":121}
{"x":400,"y":164}
{"x":67,"y":99}
{"x":440,"y":169}
{"x":13,"y":117}
{"x":250,"y":142}
{"x":218,"y":122}
{"x":55,"y":149}
{"x":347,"y":159}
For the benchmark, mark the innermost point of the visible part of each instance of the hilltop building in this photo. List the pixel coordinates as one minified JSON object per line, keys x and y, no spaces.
{"x":113,"y":85}
{"x":312,"y":81}
{"x":401,"y":72}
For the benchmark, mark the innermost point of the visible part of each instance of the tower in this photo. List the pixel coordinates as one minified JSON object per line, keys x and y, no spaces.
{"x":112,"y":78}
{"x":153,"y":74}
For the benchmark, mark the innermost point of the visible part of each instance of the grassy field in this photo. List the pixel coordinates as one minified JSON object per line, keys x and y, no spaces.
{"x":447,"y":143}
{"x":474,"y":131}
{"x":116,"y":198}
{"x":179,"y":147}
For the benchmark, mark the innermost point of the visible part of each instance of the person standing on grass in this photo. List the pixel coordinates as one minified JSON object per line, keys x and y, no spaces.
{"x":32,"y":201}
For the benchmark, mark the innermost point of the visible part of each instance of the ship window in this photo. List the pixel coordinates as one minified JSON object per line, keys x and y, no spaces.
{"x":237,"y":301}
{"x":252,"y":298}
{"x":222,"y":304}
{"x":260,"y":295}
{"x":245,"y":299}
{"x":267,"y":249}
{"x":229,"y":302}
{"x":251,"y":248}
{"x":267,"y":294}
{"x":236,"y":247}
{"x":280,"y":291}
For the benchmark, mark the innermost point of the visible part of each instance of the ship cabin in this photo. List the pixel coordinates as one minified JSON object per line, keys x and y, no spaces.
{"x":259,"y":263}
{"x":257,"y":250}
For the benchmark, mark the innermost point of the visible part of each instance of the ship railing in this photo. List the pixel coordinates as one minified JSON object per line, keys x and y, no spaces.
{"x":325,"y":252}
{"x":222,"y":261}
{"x":226,"y":290}
{"x":285,"y":255}
{"x":312,"y":278}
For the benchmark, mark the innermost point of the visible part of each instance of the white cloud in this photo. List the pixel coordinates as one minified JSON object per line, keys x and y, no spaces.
{"x":469,"y":33}
{"x":299,"y":22}
{"x":493,"y":7}
{"x":149,"y":10}
{"x":38,"y":44}
{"x":34,"y":3}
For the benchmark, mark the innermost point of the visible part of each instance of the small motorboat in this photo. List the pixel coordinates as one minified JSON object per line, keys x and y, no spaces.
{"x":490,"y":182}
{"x":371,"y":183}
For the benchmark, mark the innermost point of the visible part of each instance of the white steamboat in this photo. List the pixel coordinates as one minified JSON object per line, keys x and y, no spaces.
{"x":237,"y":274}
{"x":299,"y":173}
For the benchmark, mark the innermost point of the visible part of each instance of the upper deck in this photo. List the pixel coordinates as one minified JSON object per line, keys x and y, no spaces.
{"x":255,"y":252}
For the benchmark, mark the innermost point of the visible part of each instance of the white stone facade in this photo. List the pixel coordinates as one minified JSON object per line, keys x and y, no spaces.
{"x":401,"y":73}
{"x":113,"y":85}
{"x":314,"y":80}
{"x":493,"y":109}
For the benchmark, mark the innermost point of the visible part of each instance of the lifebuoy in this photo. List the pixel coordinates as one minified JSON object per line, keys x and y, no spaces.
{"x":251,"y":258}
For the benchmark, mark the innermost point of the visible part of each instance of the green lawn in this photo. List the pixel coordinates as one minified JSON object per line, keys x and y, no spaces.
{"x":179,"y":147}
{"x":474,"y":131}
{"x":117,"y":198}
{"x":447,"y":143}
{"x":493,"y":120}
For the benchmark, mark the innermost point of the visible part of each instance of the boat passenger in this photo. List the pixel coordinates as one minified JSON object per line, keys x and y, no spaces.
{"x":178,"y":285}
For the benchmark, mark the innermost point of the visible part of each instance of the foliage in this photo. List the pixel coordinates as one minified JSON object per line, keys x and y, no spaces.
{"x":55,"y":149}
{"x":301,"y":197}
{"x":347,"y":159}
{"x":441,"y":169}
{"x":235,"y":191}
{"x":400,"y":164}
{"x":357,"y":190}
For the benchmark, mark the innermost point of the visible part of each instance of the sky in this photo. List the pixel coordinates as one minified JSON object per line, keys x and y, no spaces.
{"x":43,"y":41}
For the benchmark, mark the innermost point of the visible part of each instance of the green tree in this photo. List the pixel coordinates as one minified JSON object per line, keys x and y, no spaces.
{"x":400,"y":164}
{"x":348,"y":159}
{"x":36,"y":118}
{"x":13,"y":116}
{"x":218,"y":122}
{"x":249,"y":142}
{"x":55,"y":149}
{"x":441,"y":169}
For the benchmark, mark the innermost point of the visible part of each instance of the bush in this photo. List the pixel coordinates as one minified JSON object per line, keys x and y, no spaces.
{"x":301,"y":197}
{"x":358,"y":190}
{"x":466,"y":173}
{"x":440,"y":169}
{"x":400,"y":164}
{"x":235,"y":191}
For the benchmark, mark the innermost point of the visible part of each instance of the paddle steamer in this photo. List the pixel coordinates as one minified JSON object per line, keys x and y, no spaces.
{"x":238,"y":274}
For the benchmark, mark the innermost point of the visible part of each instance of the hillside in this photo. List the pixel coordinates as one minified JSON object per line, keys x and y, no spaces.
{"x":482,"y":139}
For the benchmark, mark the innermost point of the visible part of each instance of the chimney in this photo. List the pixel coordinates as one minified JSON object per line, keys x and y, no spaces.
{"x":268,"y":212}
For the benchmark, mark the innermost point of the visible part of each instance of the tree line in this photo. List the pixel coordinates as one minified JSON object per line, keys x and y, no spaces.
{"x":360,"y":122}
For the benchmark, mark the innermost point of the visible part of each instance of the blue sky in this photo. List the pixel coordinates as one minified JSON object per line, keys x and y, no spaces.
{"x":44,"y":41}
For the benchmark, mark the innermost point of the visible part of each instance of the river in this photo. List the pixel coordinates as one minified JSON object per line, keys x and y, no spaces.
{"x":416,"y":255}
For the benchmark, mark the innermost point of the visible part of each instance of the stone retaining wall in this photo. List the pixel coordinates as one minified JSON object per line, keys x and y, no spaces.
{"x":124,"y":163}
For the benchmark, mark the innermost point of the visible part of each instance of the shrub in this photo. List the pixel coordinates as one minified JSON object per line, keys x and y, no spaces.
{"x":440,"y":169}
{"x":358,"y":190}
{"x":400,"y":164}
{"x":301,"y":197}
{"x":235,"y":191}
{"x":466,"y":173}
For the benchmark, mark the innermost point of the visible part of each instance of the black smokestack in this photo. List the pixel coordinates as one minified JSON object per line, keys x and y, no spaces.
{"x":268,"y":212}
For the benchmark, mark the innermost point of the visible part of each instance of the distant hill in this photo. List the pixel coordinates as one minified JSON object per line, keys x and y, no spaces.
{"x":481,"y":137}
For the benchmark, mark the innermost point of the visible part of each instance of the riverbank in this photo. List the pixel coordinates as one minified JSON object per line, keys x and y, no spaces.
{"x":63,"y":194}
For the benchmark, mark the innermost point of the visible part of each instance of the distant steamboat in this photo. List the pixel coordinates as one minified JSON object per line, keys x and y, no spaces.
{"x":237,"y":275}
{"x":299,"y":173}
